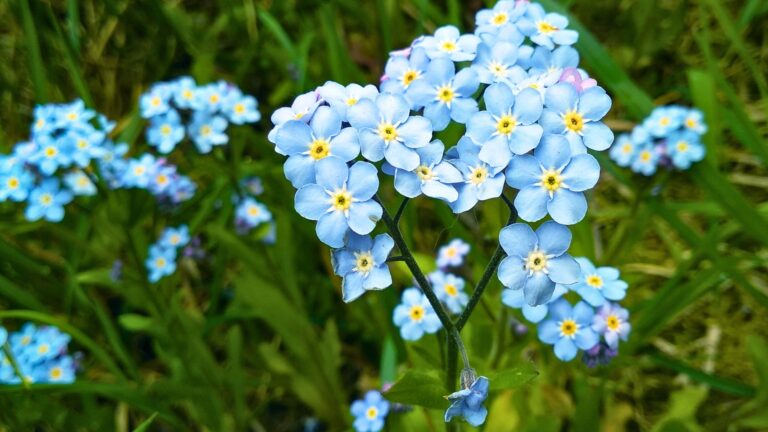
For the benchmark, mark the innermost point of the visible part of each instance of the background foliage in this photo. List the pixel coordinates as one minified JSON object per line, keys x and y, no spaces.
{"x":256,"y":338}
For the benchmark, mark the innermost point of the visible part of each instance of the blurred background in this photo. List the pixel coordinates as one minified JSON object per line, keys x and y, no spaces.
{"x":255,"y":337}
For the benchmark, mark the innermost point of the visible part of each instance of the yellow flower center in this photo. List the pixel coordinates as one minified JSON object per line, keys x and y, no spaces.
{"x":387,"y":131}
{"x":239,"y":108}
{"x":626,"y":148}
{"x":43,"y":349}
{"x":478,"y":175}
{"x":451,"y":252}
{"x":175,"y":239}
{"x":186,"y":94}
{"x":545,"y":27}
{"x":363,"y":262}
{"x":82,"y":144}
{"x":165,"y":129}
{"x":82,"y":181}
{"x":448,"y":46}
{"x":568,"y":328}
{"x":214,"y":98}
{"x":139,"y":170}
{"x":371,"y":413}
{"x":160,"y":262}
{"x":40,"y":123}
{"x":341,"y":200}
{"x":72,"y":116}
{"x":161,"y":179}
{"x":691,"y":123}
{"x":205,"y":130}
{"x":298,"y":115}
{"x":536,"y":261}
{"x":410,"y":76}
{"x":613,"y":322}
{"x":595,"y":281}
{"x":26,"y":340}
{"x":664,"y":121}
{"x":451,"y":290}
{"x":319,"y":149}
{"x":446,"y":94}
{"x":497,"y":69}
{"x":416,"y":313}
{"x":506,"y":125}
{"x":574,"y":122}
{"x":645,"y":156}
{"x":51,"y":152}
{"x":682,"y":146}
{"x":500,"y":18}
{"x":155,"y":101}
{"x":46,"y":199}
{"x":551,"y":180}
{"x":56,"y":373}
{"x":351,"y":101}
{"x":253,"y":211}
{"x":13,"y":183}
{"x":533,"y":86}
{"x":424,"y":173}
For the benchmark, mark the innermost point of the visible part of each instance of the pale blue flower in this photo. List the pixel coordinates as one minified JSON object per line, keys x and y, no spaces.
{"x":51,"y":154}
{"x":210,"y":97}
{"x":388,"y":131}
{"x":434,"y":177}
{"x":140,"y":172}
{"x":623,"y":150}
{"x":174,"y":237}
{"x":47,"y":201}
{"x":84,"y":145}
{"x":445,"y":94}
{"x":370,"y":412}
{"x":302,"y":108}
{"x":646,"y":160}
{"x":552,"y":181}
{"x":15,"y":183}
{"x":468,"y":403}
{"x":452,"y":254}
{"x":480,"y":180}
{"x":165,"y":131}
{"x":161,"y":262}
{"x":449,"y":290}
{"x":664,"y":120}
{"x":363,"y":264}
{"x":501,"y":18}
{"x":184,"y":91}
{"x":497,"y":63}
{"x":449,"y":43}
{"x":684,"y":148}
{"x":545,"y":60}
{"x":568,"y":329}
{"x":598,"y":284}
{"x":79,"y":183}
{"x":415,"y":315}
{"x":536,"y":261}
{"x":546,"y":29}
{"x":241,"y":109}
{"x":341,"y":200}
{"x":694,"y":121}
{"x":402,"y":71}
{"x":577,"y":116}
{"x":155,"y":101}
{"x":207,"y":131}
{"x":516,"y":299}
{"x":340,"y":98}
{"x":612,"y":322}
{"x":251,"y":213}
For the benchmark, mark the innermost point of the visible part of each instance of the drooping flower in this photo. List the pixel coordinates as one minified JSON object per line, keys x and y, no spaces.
{"x":415,"y":315}
{"x":370,"y":412}
{"x":452,"y":254}
{"x":568,"y":328}
{"x":468,"y":403}
{"x":577,"y":116}
{"x":363,"y":264}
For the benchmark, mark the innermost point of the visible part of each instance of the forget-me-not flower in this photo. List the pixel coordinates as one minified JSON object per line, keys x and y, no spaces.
{"x":684,"y":148}
{"x":207,"y":131}
{"x":363,"y":264}
{"x":480,"y":180}
{"x":468,"y":403}
{"x":568,"y":328}
{"x":15,"y":183}
{"x":79,"y":183}
{"x":452,"y":254}
{"x":174,"y":237}
{"x":449,"y":43}
{"x":449,"y":290}
{"x":577,"y":116}
{"x":402,"y":71}
{"x":612,"y":322}
{"x":47,"y":201}
{"x":598,"y":284}
{"x":302,"y":108}
{"x":646,"y":160}
{"x":161,"y":262}
{"x":370,"y":412}
{"x":546,"y":29}
{"x":340,"y":98}
{"x":434,"y":177}
{"x":498,"y":62}
{"x":445,"y":94}
{"x":415,"y":315}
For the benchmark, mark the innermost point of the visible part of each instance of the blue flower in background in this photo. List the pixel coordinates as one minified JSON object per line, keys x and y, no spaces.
{"x":44,"y":120}
{"x":340,"y":98}
{"x":623,"y":151}
{"x":306,"y":145}
{"x":165,"y":131}
{"x":415,"y":316}
{"x":161,"y":262}
{"x":251,"y":213}
{"x":174,"y":237}
{"x":402,"y":71}
{"x":508,"y":126}
{"x":612,"y":322}
{"x":546,"y":29}
{"x":449,"y":43}
{"x":41,"y":355}
{"x":536,"y":261}
{"x":84,"y":146}
{"x":598,"y":284}
{"x":449,"y":290}
{"x":341,"y":200}
{"x":363,"y":264}
{"x":139,"y":171}
{"x":577,"y":116}
{"x":241,"y":109}
{"x":480,"y":181}
{"x":694,"y":122}
{"x":73,"y":116}
{"x":664,"y":120}
{"x":445,"y":94}
{"x":370,"y":412}
{"x":15,"y":183}
{"x":452,"y":254}
{"x":468,"y":403}
{"x":388,"y":131}
{"x":207,"y":131}
{"x":495,"y":63}
{"x":47,"y":201}
{"x":184,"y":90}
{"x":155,"y":102}
{"x":568,"y":328}
{"x":684,"y":148}
{"x":79,"y":183}
{"x":52,"y":154}
{"x":433,"y":176}
{"x":552,"y":181}
{"x":646,"y":160}
{"x":210,"y":97}
{"x":516,"y":299}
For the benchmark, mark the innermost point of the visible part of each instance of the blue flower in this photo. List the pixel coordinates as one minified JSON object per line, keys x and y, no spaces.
{"x":370,"y":412}
{"x":40,"y":353}
{"x":468,"y":403}
{"x":502,"y":17}
{"x":51,"y":154}
{"x":363,"y":264}
{"x":341,"y":200}
{"x":388,"y":131}
{"x":139,"y":171}
{"x":184,"y":90}
{"x":612,"y":322}
{"x":445,"y":94}
{"x":44,"y":119}
{"x":73,"y":116}
{"x":449,"y":43}
{"x":623,"y":150}
{"x":552,"y":181}
{"x":536,"y":261}
{"x":508,"y":126}
{"x":15,"y":183}
{"x":210,"y":97}
{"x":547,"y":61}
{"x":47,"y":201}
{"x":452,"y":254}
{"x":596,"y":285}
{"x":568,"y":329}
{"x":79,"y":183}
{"x":241,"y":109}
{"x":516,"y":299}
{"x":302,"y":108}
{"x":497,"y":63}
{"x":402,"y":71}
{"x":84,"y":146}
{"x":646,"y":160}
{"x":449,"y":290}
{"x":161,"y":262}
{"x":480,"y":181}
{"x":684,"y":148}
{"x":433,"y":176}
{"x":306,"y":145}
{"x":174,"y":237}
{"x":251,"y":213}
{"x":664,"y":120}
{"x":155,"y":102}
{"x":340,"y":98}
{"x":577,"y":116}
{"x":165,"y":131}
{"x":415,"y":316}
{"x":546,"y":29}
{"x":694,"y":121}
{"x":207,"y":131}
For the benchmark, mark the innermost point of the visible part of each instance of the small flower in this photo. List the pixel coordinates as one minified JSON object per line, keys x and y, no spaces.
{"x":47,"y":201}
{"x":684,"y":148}
{"x":598,"y":284}
{"x":174,"y":237}
{"x":496,"y":63}
{"x":452,"y":254}
{"x":52,"y":154}
{"x":165,"y":131}
{"x":561,"y":59}
{"x":577,"y":116}
{"x":79,"y":183}
{"x":251,"y":213}
{"x":340,"y":98}
{"x":552,"y":181}
{"x":155,"y":102}
{"x":210,"y":97}
{"x":468,"y":403}
{"x":612,"y":322}
{"x":568,"y":329}
{"x":388,"y":131}
{"x":402,"y":71}
{"x":302,"y":108}
{"x":449,"y":290}
{"x":536,"y":261}
{"x":184,"y":90}
{"x":207,"y":131}
{"x":623,"y":150}
{"x":15,"y":183}
{"x":503,"y":16}
{"x":363,"y":264}
{"x":445,"y":94}
{"x":341,"y":200}
{"x":480,"y":181}
{"x":448,"y":42}
{"x":161,"y":262}
{"x":415,"y":316}
{"x":694,"y":121}
{"x":546,"y":29}
{"x":241,"y":109}
{"x":664,"y":120}
{"x":646,"y":160}
{"x":434,"y":177}
{"x":140,"y":172}
{"x":370,"y":412}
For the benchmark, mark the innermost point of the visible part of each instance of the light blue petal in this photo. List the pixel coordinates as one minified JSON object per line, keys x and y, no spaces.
{"x":523,"y":171}
{"x":590,"y":295}
{"x":567,"y":207}
{"x":439,"y":114}
{"x":416,"y":132}
{"x":466,"y":82}
{"x":512,"y":273}
{"x":466,"y":200}
{"x":378,"y":278}
{"x":491,"y":188}
{"x":346,"y":145}
{"x":513,"y":298}
{"x":393,"y":108}
{"x":586,"y":338}
{"x":549,"y":332}
{"x":528,"y":106}
{"x":364,"y":215}
{"x":435,"y":189}
{"x":300,"y":170}
{"x":564,"y":270}
{"x":312,"y":202}
{"x":481,"y":126}
{"x":525,"y":138}
{"x":565,"y":349}
{"x":401,"y":156}
{"x":331,"y":228}
{"x":538,"y":289}
{"x":325,"y":123}
{"x":583,"y":314}
{"x":293,"y":137}
{"x":554,"y":152}
{"x":496,"y":152}
{"x":597,"y":136}
{"x":462,"y":109}
{"x":372,"y":145}
{"x":407,"y":183}
{"x":594,"y":104}
{"x":331,"y":173}
{"x":554,"y":239}
{"x":498,"y":99}
{"x":363,"y":115}
{"x":352,"y":287}
{"x":476,"y":417}
{"x":565,"y":37}
{"x":382,"y":246}
{"x":531,"y":203}
{"x":518,"y":240}
{"x":561,"y":98}
{"x":581,"y":173}
{"x":534,"y":314}
{"x":363,"y":181}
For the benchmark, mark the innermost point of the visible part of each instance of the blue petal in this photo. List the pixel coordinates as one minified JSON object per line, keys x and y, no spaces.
{"x":496,"y":152}
{"x":378,"y":278}
{"x":439,"y":114}
{"x":597,"y":136}
{"x":331,"y":173}
{"x":523,"y":171}
{"x":528,"y":106}
{"x":561,"y":98}
{"x":393,"y":108}
{"x":331,"y":228}
{"x":346,"y":145}
{"x":401,"y":156}
{"x":416,"y":132}
{"x":300,"y":170}
{"x":549,"y":332}
{"x":513,"y":298}
{"x":466,"y":83}
{"x":325,"y":123}
{"x":581,"y":173}
{"x":363,"y":115}
{"x":435,"y":189}
{"x":363,"y":181}
{"x":525,"y":138}
{"x":594,"y":104}
{"x":518,"y":240}
{"x":586,"y":338}
{"x":553,"y":238}
{"x":534,"y":314}
{"x":293,"y":137}
{"x":553,"y":152}
{"x":372,"y":145}
{"x":382,"y":246}
{"x":511,"y":273}
{"x":352,"y":287}
{"x":481,"y":126}
{"x":312,"y":202}
{"x":565,"y":349}
{"x":538,"y":289}
{"x":583,"y":314}
{"x":564,"y":270}
{"x":462,"y":109}
{"x":407,"y":183}
{"x":498,"y":99}
{"x":364,"y":215}
{"x":531,"y":203}
{"x":567,"y":207}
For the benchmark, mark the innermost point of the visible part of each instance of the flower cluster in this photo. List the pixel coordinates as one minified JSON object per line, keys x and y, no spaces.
{"x":540,"y":115}
{"x":594,"y":325}
{"x":180,"y":108}
{"x":370,"y":412}
{"x":40,"y":353}
{"x":161,"y":260}
{"x":249,"y":212}
{"x":669,"y":137}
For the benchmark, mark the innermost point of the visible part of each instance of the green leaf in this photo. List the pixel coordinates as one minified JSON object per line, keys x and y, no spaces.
{"x":136,"y":323}
{"x":420,"y":389}
{"x":715,"y":382}
{"x":36,"y":65}
{"x":513,"y":378}
{"x":144,"y":426}
{"x":388,"y":361}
